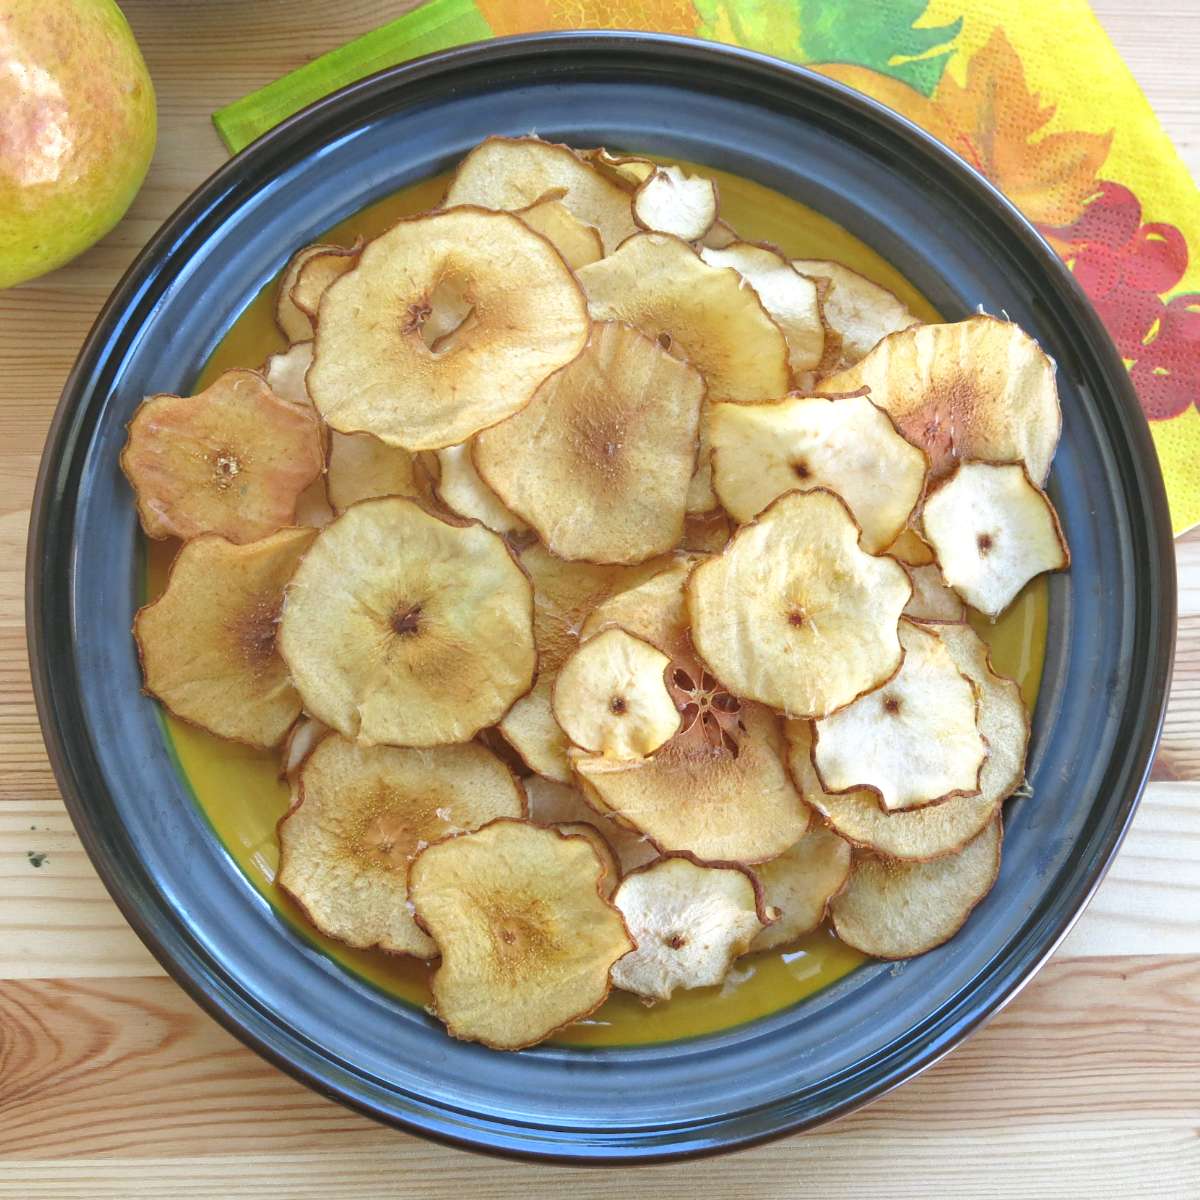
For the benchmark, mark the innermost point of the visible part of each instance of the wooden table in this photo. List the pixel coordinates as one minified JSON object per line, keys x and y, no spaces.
{"x":114,"y":1084}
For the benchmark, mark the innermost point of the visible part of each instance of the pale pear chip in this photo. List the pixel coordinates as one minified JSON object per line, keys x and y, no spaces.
{"x":578,"y":243}
{"x":285,"y":371}
{"x":388,"y":374}
{"x":364,"y":813}
{"x":513,"y":173}
{"x":790,"y":298}
{"x":527,"y":939}
{"x":293,"y":321}
{"x":794,"y":613}
{"x":361,"y":467}
{"x":689,"y":922}
{"x":629,"y":171}
{"x":898,"y":910}
{"x":553,"y":803}
{"x":860,"y":311}
{"x":847,"y":445}
{"x":208,"y":643}
{"x":303,"y":736}
{"x":932,"y":600}
{"x":563,"y":595}
{"x":611,"y":697}
{"x":915,"y":740}
{"x":233,"y":460}
{"x":719,"y":235}
{"x":654,"y":610}
{"x":668,"y":201}
{"x":993,"y":531}
{"x":399,"y":627}
{"x":977,"y":389}
{"x":799,"y":884}
{"x":911,"y":549}
{"x":719,"y":790}
{"x":599,"y":462}
{"x":703,"y":314}
{"x":318,"y":271}
{"x":460,"y":489}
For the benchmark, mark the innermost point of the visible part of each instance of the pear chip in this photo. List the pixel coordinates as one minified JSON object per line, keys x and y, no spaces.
{"x":361,"y":467}
{"x":364,"y":812}
{"x":527,"y":939}
{"x":562,"y":804}
{"x":460,"y":489}
{"x":399,"y":627}
{"x":668,"y":201}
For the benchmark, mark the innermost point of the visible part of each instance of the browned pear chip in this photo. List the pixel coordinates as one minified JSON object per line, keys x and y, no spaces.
{"x":848,"y":445}
{"x":604,"y":852}
{"x":318,"y":271}
{"x":232,"y":459}
{"x":577,"y":242}
{"x":564,"y":594}
{"x":654,"y":610}
{"x":794,"y":613}
{"x":993,"y":530}
{"x":361,"y":467}
{"x":932,"y":600}
{"x":553,"y":803}
{"x":790,"y":298}
{"x":668,"y":201}
{"x":284,"y":373}
{"x":690,"y":921}
{"x":915,"y":740}
{"x":707,"y":532}
{"x":719,"y":789}
{"x":207,"y":644}
{"x":599,"y":462}
{"x":527,"y":939}
{"x":461,"y":490}
{"x":513,"y":173}
{"x":303,"y":736}
{"x":897,"y":910}
{"x":978,"y":389}
{"x":860,"y":311}
{"x":799,"y":884}
{"x":911,"y":549}
{"x":293,"y":321}
{"x":630,"y":172}
{"x":525,"y":317}
{"x":399,"y":627}
{"x":611,"y":697}
{"x":364,"y":813}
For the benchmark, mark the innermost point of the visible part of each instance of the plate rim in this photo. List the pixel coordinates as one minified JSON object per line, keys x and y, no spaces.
{"x":124,"y":881}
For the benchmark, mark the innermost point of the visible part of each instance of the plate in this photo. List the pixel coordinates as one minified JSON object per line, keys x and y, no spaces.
{"x":1111,"y":623}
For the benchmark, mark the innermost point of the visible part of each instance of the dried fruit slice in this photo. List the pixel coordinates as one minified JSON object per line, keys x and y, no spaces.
{"x":207,"y":644}
{"x":304,"y":734}
{"x":793,"y":613}
{"x":654,"y":610}
{"x":790,"y":298}
{"x":460,"y":489}
{"x":668,"y":201}
{"x":925,"y":833}
{"x":578,"y":243}
{"x":604,"y":852}
{"x":527,"y":940}
{"x":932,"y":600}
{"x":513,"y":173}
{"x":364,"y":813}
{"x":399,"y":627}
{"x":703,"y":314}
{"x":860,"y":311}
{"x":799,"y":884}
{"x":611,"y":697}
{"x":564,"y":594}
{"x":847,"y":445}
{"x":629,"y":172}
{"x":553,"y":803}
{"x":599,"y":462}
{"x":993,"y":531}
{"x":231,"y":460}
{"x":284,"y":373}
{"x":898,"y":910}
{"x":978,"y":389}
{"x":730,"y":800}
{"x":689,"y":922}
{"x":361,"y":467}
{"x":915,"y":740}
{"x":317,"y":272}
{"x":292,"y":320}
{"x":389,"y":376}
{"x":911,"y":549}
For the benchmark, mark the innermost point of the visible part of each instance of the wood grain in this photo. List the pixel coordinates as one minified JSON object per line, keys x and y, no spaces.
{"x":113,"y":1084}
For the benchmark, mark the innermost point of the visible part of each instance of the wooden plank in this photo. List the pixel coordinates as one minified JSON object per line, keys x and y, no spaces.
{"x":1093,"y":1072}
